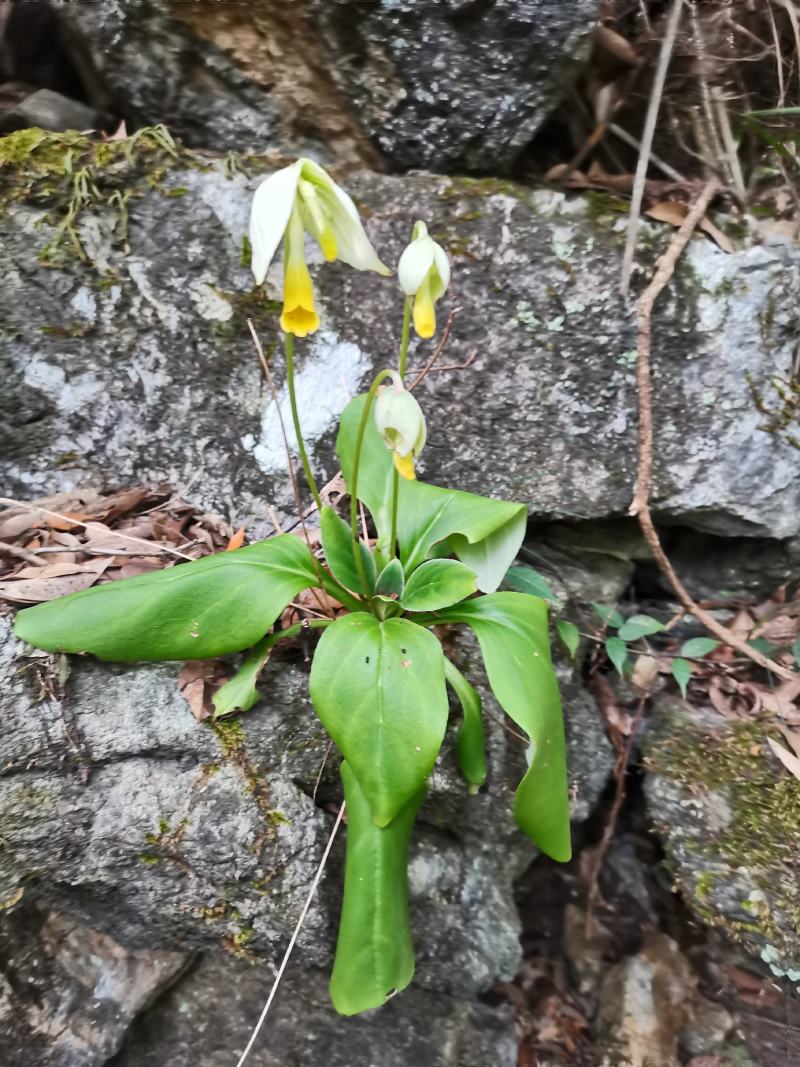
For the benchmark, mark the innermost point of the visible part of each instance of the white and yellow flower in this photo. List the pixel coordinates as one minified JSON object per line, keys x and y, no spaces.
{"x":294,"y":201}
{"x":424,"y":273}
{"x":401,"y":424}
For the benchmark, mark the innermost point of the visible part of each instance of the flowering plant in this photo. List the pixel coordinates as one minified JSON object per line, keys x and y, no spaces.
{"x":379,"y":674}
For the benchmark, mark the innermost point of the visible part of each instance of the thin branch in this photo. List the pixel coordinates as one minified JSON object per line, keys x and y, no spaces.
{"x":439,"y":348}
{"x":151,"y":546}
{"x":647,"y":142}
{"x":293,"y":940}
{"x":631,"y":141}
{"x":23,"y":553}
{"x":640,"y":507}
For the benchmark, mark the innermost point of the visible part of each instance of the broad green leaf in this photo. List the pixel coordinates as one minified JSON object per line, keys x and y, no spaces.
{"x":485,"y":534}
{"x":699,"y":646}
{"x":379,"y":690}
{"x":391,"y":581}
{"x":682,"y":672}
{"x":437,"y":584}
{"x":570,"y":636}
{"x":639,"y":626}
{"x":617,"y":652}
{"x":374,"y":953}
{"x":528,"y":580}
{"x":762,"y":645}
{"x":337,"y":541}
{"x":608,"y":614}
{"x":470,"y":748}
{"x":223,"y":603}
{"x":512,"y":631}
{"x":239,"y":693}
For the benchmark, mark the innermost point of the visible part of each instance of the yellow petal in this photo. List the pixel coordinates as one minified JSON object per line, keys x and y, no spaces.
{"x":404,"y":465}
{"x":299,"y":314}
{"x":424,"y":313}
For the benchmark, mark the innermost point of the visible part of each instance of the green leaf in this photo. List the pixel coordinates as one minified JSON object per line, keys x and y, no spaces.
{"x":379,"y":690}
{"x":570,"y":636}
{"x":374,"y":952}
{"x":608,"y":615}
{"x":391,"y":581}
{"x":485,"y":534}
{"x":239,"y":693}
{"x":223,"y":603}
{"x":682,"y":672}
{"x":470,"y":748}
{"x":528,"y":580}
{"x":639,"y":626}
{"x":699,"y":646}
{"x":337,"y":542}
{"x":617,"y":652}
{"x":796,"y":650}
{"x":437,"y":584}
{"x":760,"y":644}
{"x":512,"y":631}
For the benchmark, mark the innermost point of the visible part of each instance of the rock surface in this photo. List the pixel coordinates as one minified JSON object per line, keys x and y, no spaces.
{"x":728,"y":815}
{"x":457,"y":85}
{"x":221,"y":76}
{"x":121,"y":812}
{"x":112,"y":363}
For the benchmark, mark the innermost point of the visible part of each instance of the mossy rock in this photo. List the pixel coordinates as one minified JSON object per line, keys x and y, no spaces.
{"x":729,"y":817}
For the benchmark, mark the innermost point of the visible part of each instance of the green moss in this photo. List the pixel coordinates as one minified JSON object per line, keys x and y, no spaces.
{"x":243,"y":936}
{"x":231,"y":737}
{"x":601,"y":207}
{"x":761,"y":834}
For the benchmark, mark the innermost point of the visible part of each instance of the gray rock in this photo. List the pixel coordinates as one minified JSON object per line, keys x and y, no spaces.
{"x":50,"y":111}
{"x":208,"y":1017}
{"x":728,"y":814}
{"x":111,"y":364}
{"x":122,"y":812}
{"x":454,"y":86}
{"x":221,"y":76}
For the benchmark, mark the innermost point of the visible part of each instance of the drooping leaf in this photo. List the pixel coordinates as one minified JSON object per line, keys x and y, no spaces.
{"x":240,"y":693}
{"x":391,"y":581}
{"x":699,"y":646}
{"x":639,"y":626}
{"x":682,"y":672}
{"x":437,"y":584}
{"x":608,"y":615}
{"x":374,"y":952}
{"x":512,"y":631}
{"x":617,"y":652}
{"x":212,"y":606}
{"x":379,"y":690}
{"x":528,"y":580}
{"x":485,"y":534}
{"x":470,"y":748}
{"x":337,"y":541}
{"x":570,"y":636}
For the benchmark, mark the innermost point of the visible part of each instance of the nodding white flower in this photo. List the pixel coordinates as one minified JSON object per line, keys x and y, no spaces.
{"x":401,"y":424}
{"x":424,"y":273}
{"x":294,"y":201}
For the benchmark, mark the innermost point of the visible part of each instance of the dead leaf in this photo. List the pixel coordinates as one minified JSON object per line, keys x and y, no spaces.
{"x":37,"y":590}
{"x":674,"y":212}
{"x":198,"y":680}
{"x":236,"y":541}
{"x":788,"y":759}
{"x":645,"y":672}
{"x":616,"y":45}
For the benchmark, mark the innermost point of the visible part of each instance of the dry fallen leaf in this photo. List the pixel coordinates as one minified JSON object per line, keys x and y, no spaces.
{"x":37,"y":590}
{"x":674,"y":212}
{"x":198,"y":680}
{"x":645,"y":672}
{"x":236,"y":541}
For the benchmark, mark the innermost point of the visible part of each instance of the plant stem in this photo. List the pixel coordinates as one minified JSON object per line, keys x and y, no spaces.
{"x":296,"y":629}
{"x":401,"y":368}
{"x":362,"y":429}
{"x":288,"y":341}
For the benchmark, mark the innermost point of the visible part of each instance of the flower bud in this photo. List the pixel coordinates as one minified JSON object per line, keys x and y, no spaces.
{"x":401,"y":424}
{"x":424,"y":273}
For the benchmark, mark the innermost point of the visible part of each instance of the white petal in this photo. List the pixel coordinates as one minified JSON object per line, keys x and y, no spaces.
{"x":269,"y":215}
{"x":353,"y":245}
{"x":415,"y":263}
{"x":442,"y":264}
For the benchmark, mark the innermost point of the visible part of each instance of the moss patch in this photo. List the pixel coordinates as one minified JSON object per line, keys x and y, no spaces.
{"x":759,"y":843}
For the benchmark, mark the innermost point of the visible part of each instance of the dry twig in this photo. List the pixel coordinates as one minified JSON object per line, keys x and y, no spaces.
{"x":647,"y":142}
{"x":640,"y":507}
